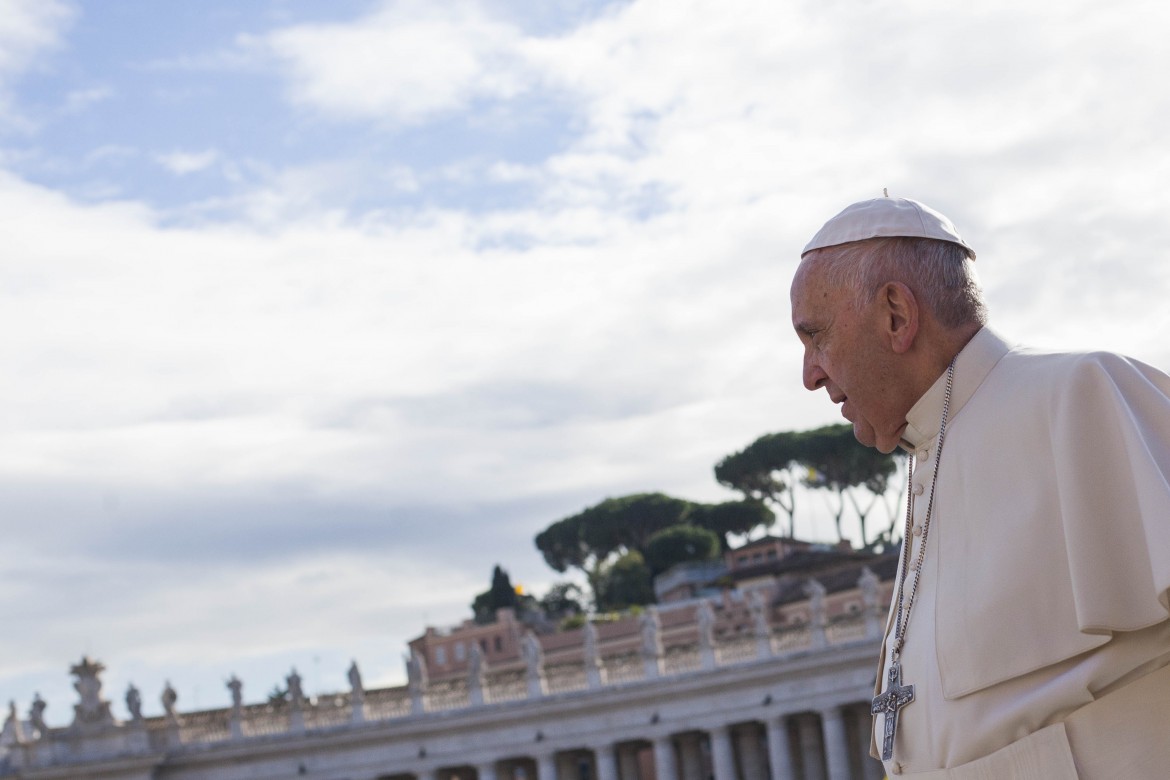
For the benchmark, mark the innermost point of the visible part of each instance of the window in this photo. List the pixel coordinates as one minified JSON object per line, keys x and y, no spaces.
{"x":499,"y":644}
{"x":441,"y":655}
{"x":460,"y":652}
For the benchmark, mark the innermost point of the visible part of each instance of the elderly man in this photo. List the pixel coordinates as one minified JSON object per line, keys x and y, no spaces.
{"x":1028,"y":635}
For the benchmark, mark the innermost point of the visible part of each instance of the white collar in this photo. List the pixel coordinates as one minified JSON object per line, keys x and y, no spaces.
{"x":973,"y":364}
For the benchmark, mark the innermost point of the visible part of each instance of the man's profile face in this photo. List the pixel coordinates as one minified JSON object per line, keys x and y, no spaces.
{"x":844,"y":354}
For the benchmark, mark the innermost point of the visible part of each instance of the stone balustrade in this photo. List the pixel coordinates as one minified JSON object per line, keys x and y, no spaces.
{"x":788,"y":703}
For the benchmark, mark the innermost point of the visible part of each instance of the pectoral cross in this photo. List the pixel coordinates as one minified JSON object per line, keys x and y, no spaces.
{"x":896,"y":697}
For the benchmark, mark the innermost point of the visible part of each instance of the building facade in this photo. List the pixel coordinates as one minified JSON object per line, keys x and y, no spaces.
{"x":739,"y":690}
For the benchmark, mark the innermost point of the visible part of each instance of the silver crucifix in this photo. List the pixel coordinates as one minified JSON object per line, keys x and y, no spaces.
{"x":896,"y":697}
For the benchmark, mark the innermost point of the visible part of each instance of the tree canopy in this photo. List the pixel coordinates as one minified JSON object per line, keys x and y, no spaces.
{"x":836,"y":461}
{"x":618,"y":526}
{"x":827,"y":458}
{"x":621,"y":543}
{"x":763,"y":471}
{"x":624,"y":583}
{"x":737,"y":518}
{"x":501,"y":594}
{"x":680,"y":544}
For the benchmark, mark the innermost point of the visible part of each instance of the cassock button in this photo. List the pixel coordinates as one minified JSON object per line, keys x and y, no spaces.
{"x":923,"y":454}
{"x":919,"y":488}
{"x":918,"y":529}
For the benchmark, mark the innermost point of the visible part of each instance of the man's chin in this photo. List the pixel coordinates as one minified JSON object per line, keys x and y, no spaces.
{"x":864,"y":433}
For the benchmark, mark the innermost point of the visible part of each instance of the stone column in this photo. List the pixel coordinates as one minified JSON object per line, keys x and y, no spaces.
{"x":665,"y":763}
{"x":751,"y":756}
{"x":780,"y":749}
{"x":546,"y":767}
{"x":722,"y":754}
{"x":606,"y":763}
{"x":836,"y":743}
{"x":811,"y":747}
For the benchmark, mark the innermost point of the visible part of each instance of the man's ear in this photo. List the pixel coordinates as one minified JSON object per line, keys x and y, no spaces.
{"x":900,"y":316}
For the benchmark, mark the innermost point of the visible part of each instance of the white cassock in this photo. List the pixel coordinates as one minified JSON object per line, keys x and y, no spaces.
{"x":1039,"y":646}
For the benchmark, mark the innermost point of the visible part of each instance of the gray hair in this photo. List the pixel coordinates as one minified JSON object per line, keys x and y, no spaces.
{"x":941,"y":273}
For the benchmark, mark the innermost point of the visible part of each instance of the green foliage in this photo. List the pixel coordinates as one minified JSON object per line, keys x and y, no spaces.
{"x":573,"y":621}
{"x":763,"y":471}
{"x":827,"y":458}
{"x":624,"y":583}
{"x":561,"y":600}
{"x":628,"y":522}
{"x":617,"y":526}
{"x":731,"y":517}
{"x":836,"y":461}
{"x":680,"y":544}
{"x":562,"y":544}
{"x":500,"y":594}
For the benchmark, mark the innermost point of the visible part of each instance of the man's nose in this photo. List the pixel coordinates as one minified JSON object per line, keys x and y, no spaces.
{"x":814,"y":375}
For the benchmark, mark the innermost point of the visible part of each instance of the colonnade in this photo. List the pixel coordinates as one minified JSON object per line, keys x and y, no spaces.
{"x":825,"y":744}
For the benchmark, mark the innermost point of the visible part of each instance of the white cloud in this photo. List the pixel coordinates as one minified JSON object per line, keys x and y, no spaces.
{"x":619,"y":331}
{"x":181,"y":163}
{"x":28,"y":29}
{"x":81,"y":99}
{"x":407,"y":62}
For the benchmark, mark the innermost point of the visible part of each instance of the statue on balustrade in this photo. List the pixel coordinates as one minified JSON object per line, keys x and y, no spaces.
{"x":651,"y":640}
{"x":92,"y":710}
{"x":533,"y":654}
{"x":758,"y":604}
{"x":36,"y":715}
{"x":416,"y":673}
{"x":869,"y":583}
{"x":296,"y":695}
{"x":816,"y":602}
{"x":237,"y":688}
{"x":705,"y":620}
{"x":134,"y":703}
{"x":357,"y":692}
{"x":169,"y":699}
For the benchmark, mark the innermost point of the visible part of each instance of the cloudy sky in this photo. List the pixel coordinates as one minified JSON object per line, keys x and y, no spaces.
{"x":313,"y":312}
